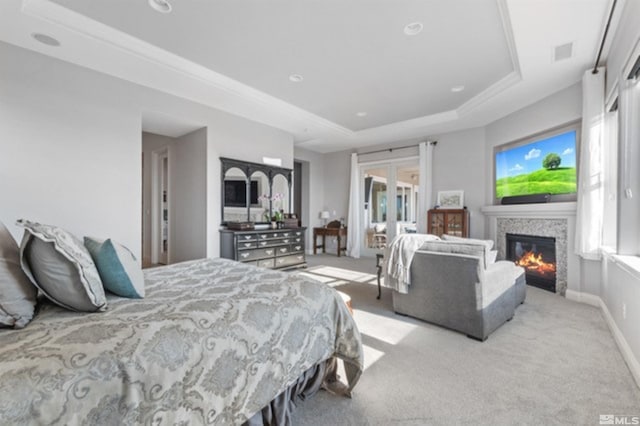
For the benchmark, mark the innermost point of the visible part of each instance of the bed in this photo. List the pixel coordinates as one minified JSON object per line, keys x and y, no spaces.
{"x":213,"y":342}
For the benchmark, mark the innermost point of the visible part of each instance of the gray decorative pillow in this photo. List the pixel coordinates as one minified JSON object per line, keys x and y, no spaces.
{"x":17,"y":294}
{"x":61,"y":267}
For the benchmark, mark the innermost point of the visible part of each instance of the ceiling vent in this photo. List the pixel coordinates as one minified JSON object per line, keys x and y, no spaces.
{"x":563,"y":51}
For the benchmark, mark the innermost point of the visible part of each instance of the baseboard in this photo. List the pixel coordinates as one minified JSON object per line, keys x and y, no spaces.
{"x":586,"y":298}
{"x":627,"y":353}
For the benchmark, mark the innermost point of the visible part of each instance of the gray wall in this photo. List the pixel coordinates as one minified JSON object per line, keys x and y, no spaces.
{"x":80,"y":167}
{"x":313,"y":173}
{"x":458,"y":163}
{"x":620,"y":287}
{"x":188,"y":197}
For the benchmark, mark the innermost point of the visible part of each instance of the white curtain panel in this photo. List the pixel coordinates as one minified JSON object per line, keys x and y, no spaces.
{"x":591,"y":172}
{"x":425,"y":184}
{"x":353,"y":235}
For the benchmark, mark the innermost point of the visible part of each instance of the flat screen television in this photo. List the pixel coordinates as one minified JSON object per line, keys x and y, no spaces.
{"x":235,"y":193}
{"x":546,"y":165}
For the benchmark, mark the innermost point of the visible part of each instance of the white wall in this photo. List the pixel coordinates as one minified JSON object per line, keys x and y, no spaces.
{"x":69,"y":150}
{"x":70,"y":140}
{"x":188,"y":197}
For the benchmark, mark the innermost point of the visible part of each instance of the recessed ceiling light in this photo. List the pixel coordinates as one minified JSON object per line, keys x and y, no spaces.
{"x":296,"y":78}
{"x":413,"y":28}
{"x":45,"y":39}
{"x":361,"y":114}
{"x":456,"y":89}
{"x":162,"y":6}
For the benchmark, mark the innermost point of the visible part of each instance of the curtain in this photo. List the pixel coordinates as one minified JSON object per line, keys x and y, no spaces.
{"x":425,"y":184}
{"x":590,"y":210}
{"x":353,"y":235}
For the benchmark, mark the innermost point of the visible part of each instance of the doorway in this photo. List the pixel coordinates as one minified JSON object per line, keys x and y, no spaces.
{"x":160,"y":207}
{"x":390,"y":202}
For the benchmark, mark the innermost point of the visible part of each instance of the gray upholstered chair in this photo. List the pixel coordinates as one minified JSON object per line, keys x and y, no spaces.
{"x":452,"y":285}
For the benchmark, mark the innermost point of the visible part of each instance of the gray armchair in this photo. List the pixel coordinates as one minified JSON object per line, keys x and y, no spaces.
{"x":459,"y":291}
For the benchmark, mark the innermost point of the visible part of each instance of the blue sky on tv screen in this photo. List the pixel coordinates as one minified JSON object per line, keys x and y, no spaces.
{"x":528,"y":158}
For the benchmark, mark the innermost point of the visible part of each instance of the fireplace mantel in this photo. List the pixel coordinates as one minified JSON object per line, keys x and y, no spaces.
{"x":531,"y":210}
{"x":549,"y":219}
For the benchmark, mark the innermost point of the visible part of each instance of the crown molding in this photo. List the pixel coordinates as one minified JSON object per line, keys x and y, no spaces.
{"x":239,"y":99}
{"x":80,"y":24}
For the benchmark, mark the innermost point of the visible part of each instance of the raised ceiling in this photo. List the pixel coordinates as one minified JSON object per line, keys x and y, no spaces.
{"x":237,"y":55}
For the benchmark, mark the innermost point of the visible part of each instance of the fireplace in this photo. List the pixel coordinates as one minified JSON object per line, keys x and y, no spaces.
{"x":537,"y":255}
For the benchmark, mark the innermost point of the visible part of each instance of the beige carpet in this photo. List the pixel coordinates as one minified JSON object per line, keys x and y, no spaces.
{"x":554,"y":363}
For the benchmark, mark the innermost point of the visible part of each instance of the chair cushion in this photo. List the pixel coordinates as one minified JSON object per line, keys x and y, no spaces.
{"x":460,"y":247}
{"x":61,"y":267}
{"x":17,"y":294}
{"x":488,"y":245}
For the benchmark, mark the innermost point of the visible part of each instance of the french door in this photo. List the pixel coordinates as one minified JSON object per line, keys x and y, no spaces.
{"x":390,"y":202}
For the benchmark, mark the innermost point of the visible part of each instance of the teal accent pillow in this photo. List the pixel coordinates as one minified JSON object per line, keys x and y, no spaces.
{"x":118,"y":268}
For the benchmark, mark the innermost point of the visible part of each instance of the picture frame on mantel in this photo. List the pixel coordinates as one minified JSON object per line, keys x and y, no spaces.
{"x":450,"y":199}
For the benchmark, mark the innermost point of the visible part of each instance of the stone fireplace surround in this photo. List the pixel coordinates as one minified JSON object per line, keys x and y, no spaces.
{"x":546,"y":220}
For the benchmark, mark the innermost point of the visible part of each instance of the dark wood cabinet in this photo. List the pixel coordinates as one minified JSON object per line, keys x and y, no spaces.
{"x":269,"y":248}
{"x":448,"y":221}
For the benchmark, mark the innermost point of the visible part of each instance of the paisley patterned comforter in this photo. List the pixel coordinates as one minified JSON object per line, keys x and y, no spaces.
{"x":212,"y":343}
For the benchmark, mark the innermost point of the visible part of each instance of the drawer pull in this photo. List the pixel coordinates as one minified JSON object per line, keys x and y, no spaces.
{"x":285,"y":241}
{"x":247,"y":237}
{"x":283,"y":250}
{"x":286,"y":234}
{"x":263,"y":243}
{"x":247,"y":244}
{"x":298,"y":240}
{"x":300,"y":257}
{"x":281,"y":261}
{"x":298,"y":233}
{"x":245,"y":255}
{"x":269,"y":252}
{"x":274,"y":235}
{"x":263,"y":236}
{"x":298,"y":248}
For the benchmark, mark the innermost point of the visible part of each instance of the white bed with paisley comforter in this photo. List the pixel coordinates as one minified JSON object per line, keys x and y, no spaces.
{"x":213,"y":342}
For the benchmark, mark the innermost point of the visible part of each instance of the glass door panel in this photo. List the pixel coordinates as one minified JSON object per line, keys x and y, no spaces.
{"x":407,"y":178}
{"x":375,"y":208}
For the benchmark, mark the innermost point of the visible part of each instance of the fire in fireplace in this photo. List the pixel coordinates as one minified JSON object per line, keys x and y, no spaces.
{"x":537,"y":255}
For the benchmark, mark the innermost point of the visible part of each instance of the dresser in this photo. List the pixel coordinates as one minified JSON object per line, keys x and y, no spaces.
{"x":272,"y":248}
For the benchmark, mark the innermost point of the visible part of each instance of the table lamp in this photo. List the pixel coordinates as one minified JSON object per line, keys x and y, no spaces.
{"x":324,"y":215}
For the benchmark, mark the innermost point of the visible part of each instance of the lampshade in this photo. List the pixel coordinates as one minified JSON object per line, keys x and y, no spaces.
{"x":324,"y":214}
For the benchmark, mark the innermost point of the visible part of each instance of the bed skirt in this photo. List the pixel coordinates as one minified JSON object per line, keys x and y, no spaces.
{"x":278,"y":411}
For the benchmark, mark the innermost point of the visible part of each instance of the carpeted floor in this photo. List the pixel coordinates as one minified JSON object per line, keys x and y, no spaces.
{"x":554,"y":363}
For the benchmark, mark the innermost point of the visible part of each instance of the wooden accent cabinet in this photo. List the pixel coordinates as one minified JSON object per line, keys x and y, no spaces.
{"x":448,"y":221}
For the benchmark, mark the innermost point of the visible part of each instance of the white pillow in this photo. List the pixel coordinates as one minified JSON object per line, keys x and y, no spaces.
{"x":61,"y":267}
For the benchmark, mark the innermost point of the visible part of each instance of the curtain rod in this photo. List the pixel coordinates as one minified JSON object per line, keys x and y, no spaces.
{"x":604,"y":37}
{"x":434,"y":143}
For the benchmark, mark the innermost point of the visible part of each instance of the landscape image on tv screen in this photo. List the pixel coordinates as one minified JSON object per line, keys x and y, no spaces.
{"x":545,"y":166}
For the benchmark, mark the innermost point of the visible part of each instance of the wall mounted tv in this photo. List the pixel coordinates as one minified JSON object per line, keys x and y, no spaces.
{"x":541,"y":165}
{"x":235,"y":193}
